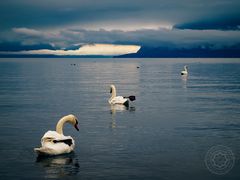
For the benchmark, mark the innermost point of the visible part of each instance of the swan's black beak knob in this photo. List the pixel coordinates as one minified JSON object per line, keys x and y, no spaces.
{"x":76,"y":127}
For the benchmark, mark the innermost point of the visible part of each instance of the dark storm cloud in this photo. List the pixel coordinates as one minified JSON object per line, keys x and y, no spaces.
{"x":55,"y":13}
{"x":17,"y":46}
{"x":63,"y":23}
{"x":224,"y":23}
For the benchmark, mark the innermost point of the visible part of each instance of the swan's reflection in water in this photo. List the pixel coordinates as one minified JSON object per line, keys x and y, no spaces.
{"x":59,"y":166}
{"x":117,"y":108}
{"x":184,"y":80}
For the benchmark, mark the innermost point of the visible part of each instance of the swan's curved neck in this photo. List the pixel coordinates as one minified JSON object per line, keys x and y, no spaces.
{"x":185,"y":68}
{"x":59,"y":127}
{"x":114,"y":93}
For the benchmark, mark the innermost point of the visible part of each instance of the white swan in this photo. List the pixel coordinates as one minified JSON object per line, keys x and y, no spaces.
{"x":185,"y":71}
{"x":114,"y":99}
{"x":54,"y":142}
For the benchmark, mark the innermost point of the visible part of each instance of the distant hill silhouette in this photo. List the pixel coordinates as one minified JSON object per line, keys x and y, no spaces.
{"x":149,"y":52}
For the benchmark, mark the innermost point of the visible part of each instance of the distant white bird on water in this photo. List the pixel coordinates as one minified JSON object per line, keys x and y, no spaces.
{"x":114,"y":99}
{"x":54,"y":142}
{"x":185,"y":71}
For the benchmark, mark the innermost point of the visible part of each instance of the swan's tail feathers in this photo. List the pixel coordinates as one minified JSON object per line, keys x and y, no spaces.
{"x":131,"y":98}
{"x":126,"y":103}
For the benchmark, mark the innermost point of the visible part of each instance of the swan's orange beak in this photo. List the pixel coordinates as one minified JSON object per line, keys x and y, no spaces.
{"x":76,"y":127}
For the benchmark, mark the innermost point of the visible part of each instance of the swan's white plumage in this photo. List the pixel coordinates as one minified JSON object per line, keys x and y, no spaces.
{"x":114,"y":99}
{"x":118,"y":100}
{"x":49,"y":144}
{"x":56,"y":148}
{"x":185,"y":71}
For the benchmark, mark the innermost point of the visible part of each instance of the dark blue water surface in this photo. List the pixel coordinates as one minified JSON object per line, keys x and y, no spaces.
{"x":165,"y":134}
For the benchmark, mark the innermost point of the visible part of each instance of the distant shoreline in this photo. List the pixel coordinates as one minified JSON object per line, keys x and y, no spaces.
{"x":115,"y":57}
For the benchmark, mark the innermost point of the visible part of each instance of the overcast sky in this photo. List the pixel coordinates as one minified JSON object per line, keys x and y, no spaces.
{"x":171,"y":23}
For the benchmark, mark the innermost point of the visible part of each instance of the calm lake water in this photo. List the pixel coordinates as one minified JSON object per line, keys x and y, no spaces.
{"x":165,"y":134}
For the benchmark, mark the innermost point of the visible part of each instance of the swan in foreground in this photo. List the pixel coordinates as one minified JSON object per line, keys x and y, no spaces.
{"x":114,"y":99}
{"x":185,"y":71}
{"x":54,"y":142}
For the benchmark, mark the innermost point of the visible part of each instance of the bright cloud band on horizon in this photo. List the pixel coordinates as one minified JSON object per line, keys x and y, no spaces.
{"x":89,"y":49}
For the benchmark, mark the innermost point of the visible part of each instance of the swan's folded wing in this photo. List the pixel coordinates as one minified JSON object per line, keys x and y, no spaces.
{"x":53,"y":134}
{"x":52,"y":137}
{"x":54,"y":143}
{"x":119,"y":100}
{"x":69,"y":142}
